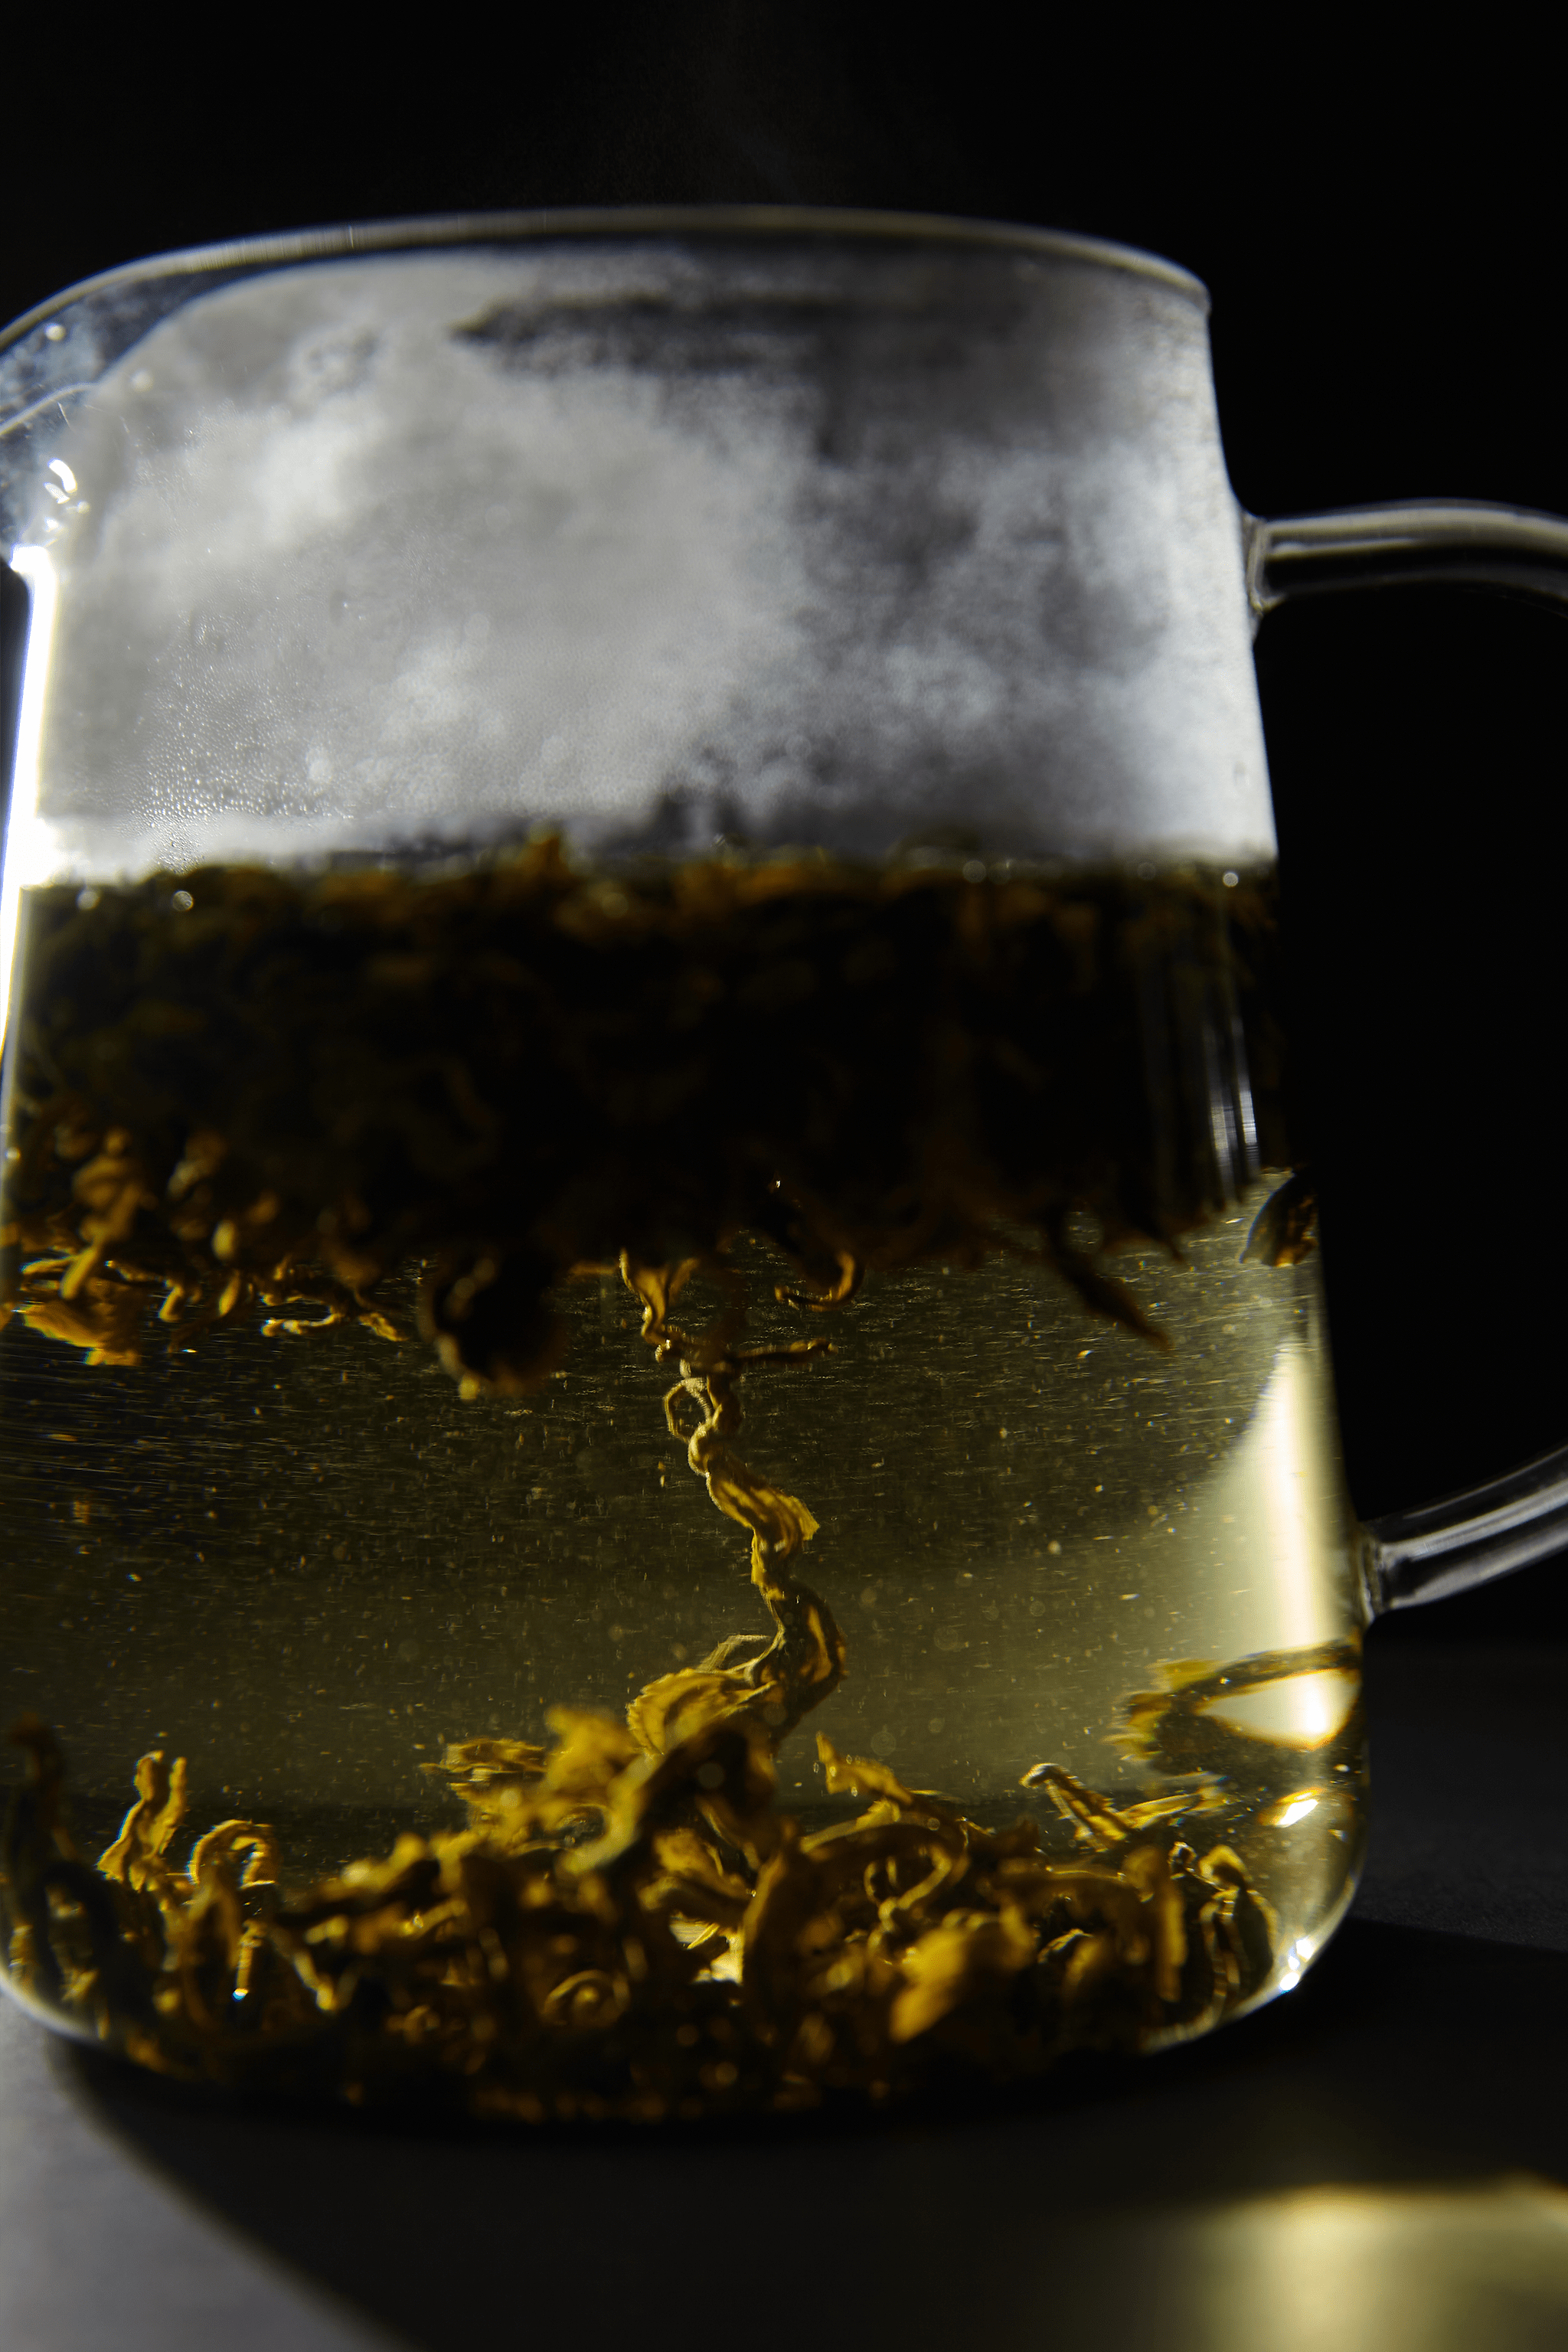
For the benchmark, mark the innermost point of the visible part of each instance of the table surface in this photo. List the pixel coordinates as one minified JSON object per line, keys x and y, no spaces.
{"x":1372,"y":2160}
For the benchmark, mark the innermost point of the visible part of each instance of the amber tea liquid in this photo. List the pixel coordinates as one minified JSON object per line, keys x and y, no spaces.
{"x":306,"y":1564}
{"x":307,"y":1561}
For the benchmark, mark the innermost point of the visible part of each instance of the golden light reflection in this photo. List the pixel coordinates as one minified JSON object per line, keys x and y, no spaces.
{"x":1293,"y":1808}
{"x":1299,"y":1707}
{"x":1406,"y":2268}
{"x":1278,"y":1493}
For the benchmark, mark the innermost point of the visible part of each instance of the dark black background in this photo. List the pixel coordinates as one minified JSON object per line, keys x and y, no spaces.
{"x":1379,"y":217}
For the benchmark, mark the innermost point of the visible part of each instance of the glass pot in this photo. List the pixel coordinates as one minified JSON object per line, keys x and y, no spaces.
{"x":640,"y":877}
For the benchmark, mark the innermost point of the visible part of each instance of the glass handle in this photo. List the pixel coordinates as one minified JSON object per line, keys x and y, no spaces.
{"x":1458,"y":541}
{"x":1466,"y":1539}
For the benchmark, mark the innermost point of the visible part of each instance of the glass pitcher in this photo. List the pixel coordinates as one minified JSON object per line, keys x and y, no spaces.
{"x":667,"y":1441}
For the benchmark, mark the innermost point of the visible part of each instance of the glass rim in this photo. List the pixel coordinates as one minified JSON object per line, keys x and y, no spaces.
{"x":352,"y":239}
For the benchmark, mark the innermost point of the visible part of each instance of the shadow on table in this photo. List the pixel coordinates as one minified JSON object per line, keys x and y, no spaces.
{"x":1407,"y":2057}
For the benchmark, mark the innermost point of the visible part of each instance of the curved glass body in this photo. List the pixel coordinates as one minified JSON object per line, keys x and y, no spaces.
{"x":648,"y":1469}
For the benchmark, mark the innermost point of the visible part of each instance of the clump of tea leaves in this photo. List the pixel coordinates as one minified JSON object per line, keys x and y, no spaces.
{"x":258,"y":1092}
{"x":238,"y":1092}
